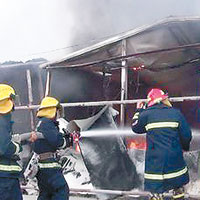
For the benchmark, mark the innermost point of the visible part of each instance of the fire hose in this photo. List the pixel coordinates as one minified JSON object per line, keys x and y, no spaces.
{"x":120,"y":193}
{"x":39,"y":135}
{"x":32,"y":166}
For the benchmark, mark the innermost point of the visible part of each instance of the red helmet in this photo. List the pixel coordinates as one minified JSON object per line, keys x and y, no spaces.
{"x":156,"y":96}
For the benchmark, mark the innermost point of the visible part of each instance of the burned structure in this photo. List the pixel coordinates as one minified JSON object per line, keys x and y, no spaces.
{"x":119,"y":72}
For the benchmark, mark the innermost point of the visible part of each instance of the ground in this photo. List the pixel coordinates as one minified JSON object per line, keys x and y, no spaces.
{"x":25,"y":197}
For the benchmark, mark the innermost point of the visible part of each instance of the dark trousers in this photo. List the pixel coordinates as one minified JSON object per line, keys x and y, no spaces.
{"x":52,"y":185}
{"x":10,"y":189}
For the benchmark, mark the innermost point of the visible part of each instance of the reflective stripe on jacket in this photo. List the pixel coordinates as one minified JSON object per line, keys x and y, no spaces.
{"x":168,"y":134}
{"x":8,"y":149}
{"x":49,"y":165}
{"x":52,"y":141}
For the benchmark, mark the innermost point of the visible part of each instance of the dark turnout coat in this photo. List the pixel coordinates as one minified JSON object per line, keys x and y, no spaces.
{"x":168,"y":134}
{"x":8,"y":149}
{"x":10,"y":170}
{"x":51,"y":181}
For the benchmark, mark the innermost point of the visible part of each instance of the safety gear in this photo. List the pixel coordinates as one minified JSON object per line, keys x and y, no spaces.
{"x":48,"y":107}
{"x":141,"y":105}
{"x":47,"y":112}
{"x":6,"y":92}
{"x":167,"y":102}
{"x":156,"y":96}
{"x":178,"y":193}
{"x":47,"y":155}
{"x":49,"y":102}
{"x":51,"y":182}
{"x":10,"y":189}
{"x":156,"y":197}
{"x":165,"y":167}
{"x":6,"y":106}
{"x":8,"y":150}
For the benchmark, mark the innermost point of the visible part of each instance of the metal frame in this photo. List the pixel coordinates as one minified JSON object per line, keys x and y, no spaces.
{"x":124,"y":85}
{"x":123,"y":57}
{"x":119,"y":37}
{"x":30,"y":97}
{"x":48,"y":83}
{"x":110,"y":103}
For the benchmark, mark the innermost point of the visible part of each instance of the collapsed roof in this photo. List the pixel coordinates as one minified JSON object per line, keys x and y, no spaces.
{"x":161,"y":67}
{"x":164,"y":54}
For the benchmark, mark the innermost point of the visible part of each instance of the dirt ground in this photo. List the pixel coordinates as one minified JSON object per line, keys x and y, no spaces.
{"x":32,"y":197}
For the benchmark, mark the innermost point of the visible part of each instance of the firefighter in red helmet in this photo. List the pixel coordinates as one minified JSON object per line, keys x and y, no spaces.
{"x":167,"y":135}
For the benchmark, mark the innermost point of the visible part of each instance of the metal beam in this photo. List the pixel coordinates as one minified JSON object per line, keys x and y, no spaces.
{"x":111,"y":103}
{"x":48,"y":83}
{"x":124,"y":85}
{"x":30,"y":97}
{"x":97,"y":62}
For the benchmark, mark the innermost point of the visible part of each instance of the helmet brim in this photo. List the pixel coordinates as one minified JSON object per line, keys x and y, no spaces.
{"x":6,"y":106}
{"x":157,"y":100}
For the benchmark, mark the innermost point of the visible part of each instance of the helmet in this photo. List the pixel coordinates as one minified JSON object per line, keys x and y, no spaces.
{"x":6,"y":92}
{"x":49,"y":102}
{"x":48,"y":107}
{"x":156,"y":96}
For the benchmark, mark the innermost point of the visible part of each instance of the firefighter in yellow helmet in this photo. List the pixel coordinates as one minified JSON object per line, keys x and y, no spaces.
{"x":51,"y":182}
{"x":9,"y":150}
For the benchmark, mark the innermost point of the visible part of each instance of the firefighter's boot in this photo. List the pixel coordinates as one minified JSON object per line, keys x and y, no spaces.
{"x":156,"y":196}
{"x":178,"y":194}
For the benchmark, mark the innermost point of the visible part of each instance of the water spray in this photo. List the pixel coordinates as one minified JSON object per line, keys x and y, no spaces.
{"x":107,"y":133}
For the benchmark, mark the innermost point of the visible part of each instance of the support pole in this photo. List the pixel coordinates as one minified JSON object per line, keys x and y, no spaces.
{"x":48,"y":82}
{"x":30,"y":97}
{"x":124,"y":85}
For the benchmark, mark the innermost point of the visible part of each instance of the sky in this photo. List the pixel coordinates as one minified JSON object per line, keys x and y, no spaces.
{"x":51,"y":29}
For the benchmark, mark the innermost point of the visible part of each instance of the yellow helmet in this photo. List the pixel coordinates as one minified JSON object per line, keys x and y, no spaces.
{"x":6,"y":104}
{"x":6,"y":91}
{"x":48,"y":102}
{"x":48,"y":107}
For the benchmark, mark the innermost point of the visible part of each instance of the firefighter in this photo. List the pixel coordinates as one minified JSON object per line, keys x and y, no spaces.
{"x":9,"y":150}
{"x":51,"y":182}
{"x":168,"y":135}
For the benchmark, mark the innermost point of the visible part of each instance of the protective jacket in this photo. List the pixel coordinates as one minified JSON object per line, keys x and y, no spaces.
{"x":51,"y":181}
{"x":168,"y":134}
{"x":8,"y":149}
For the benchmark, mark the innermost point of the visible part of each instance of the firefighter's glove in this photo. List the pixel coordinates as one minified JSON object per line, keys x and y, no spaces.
{"x":69,"y":139}
{"x":141,"y":105}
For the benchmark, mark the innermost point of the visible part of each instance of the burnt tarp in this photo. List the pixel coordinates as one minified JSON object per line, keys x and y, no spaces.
{"x":106,"y":158}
